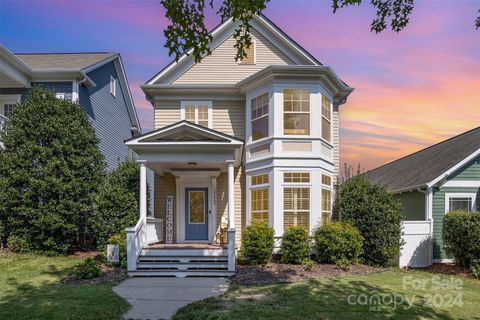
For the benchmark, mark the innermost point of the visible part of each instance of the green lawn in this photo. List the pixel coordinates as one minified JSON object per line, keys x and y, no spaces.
{"x":30,"y":288}
{"x":328,"y":298}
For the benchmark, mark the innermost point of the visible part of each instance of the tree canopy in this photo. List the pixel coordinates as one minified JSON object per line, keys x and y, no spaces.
{"x":50,"y":170}
{"x":187,"y":33}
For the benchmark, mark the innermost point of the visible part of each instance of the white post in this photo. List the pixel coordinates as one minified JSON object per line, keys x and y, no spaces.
{"x":143,"y":197}
{"x":231,"y":216}
{"x":131,"y":250}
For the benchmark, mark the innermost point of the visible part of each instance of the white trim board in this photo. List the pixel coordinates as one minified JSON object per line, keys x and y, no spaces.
{"x":462,"y":184}
{"x":454,"y":168}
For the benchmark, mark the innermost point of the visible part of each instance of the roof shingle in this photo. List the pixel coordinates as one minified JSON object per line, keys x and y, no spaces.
{"x":422,"y":167}
{"x":63,"y":60}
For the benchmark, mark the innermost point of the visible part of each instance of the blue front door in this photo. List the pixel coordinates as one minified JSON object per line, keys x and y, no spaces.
{"x":196,"y":213}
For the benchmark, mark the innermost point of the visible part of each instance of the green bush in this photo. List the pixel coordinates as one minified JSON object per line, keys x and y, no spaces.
{"x":295,"y":247}
{"x":308,"y":264}
{"x":338,"y":243}
{"x":50,"y":170}
{"x":120,"y":240}
{"x":88,"y":269}
{"x":257,"y":243}
{"x":117,"y":203}
{"x":461,"y":236}
{"x":17,"y":244}
{"x":376,"y":214}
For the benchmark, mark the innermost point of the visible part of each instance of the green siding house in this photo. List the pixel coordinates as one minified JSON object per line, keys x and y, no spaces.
{"x":433,"y":181}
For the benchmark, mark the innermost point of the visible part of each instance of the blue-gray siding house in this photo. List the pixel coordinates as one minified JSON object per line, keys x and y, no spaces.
{"x":97,"y":81}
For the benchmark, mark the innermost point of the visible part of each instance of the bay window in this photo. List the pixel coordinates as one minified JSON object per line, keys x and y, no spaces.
{"x":259,"y":107}
{"x":326,"y":119}
{"x":259,"y":198}
{"x":326,"y":198}
{"x":296,"y":112}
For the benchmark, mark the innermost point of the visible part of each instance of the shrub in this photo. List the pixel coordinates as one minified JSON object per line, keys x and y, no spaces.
{"x":17,"y":244}
{"x":51,"y":169}
{"x":257,"y":243}
{"x":376,"y":214}
{"x":475,"y":269}
{"x":338,"y":243}
{"x":88,"y":269}
{"x":461,"y":236}
{"x":308,"y":264}
{"x":120,"y":240}
{"x":295,"y":247}
{"x":117,"y":202}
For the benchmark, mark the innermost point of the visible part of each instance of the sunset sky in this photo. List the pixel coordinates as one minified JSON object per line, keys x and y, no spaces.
{"x":412,"y":89}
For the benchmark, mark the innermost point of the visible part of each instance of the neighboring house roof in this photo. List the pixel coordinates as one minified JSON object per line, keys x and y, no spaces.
{"x":24,"y":68}
{"x":63,"y":60}
{"x":427,"y":167}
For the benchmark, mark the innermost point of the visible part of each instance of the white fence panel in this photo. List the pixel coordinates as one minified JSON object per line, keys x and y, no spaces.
{"x":417,"y":249}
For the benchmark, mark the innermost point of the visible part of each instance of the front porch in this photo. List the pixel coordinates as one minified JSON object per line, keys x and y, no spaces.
{"x":191,"y":231}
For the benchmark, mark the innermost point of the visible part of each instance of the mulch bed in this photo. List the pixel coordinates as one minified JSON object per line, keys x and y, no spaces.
{"x":109,"y":275}
{"x":450,"y":269}
{"x":277,"y":272}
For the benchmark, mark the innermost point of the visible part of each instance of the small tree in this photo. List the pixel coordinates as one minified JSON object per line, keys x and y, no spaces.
{"x":117,"y":202}
{"x":50,"y":169}
{"x":376,"y":214}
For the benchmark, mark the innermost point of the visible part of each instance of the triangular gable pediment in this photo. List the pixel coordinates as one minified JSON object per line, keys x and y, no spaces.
{"x":184,"y":132}
{"x":272,"y":45}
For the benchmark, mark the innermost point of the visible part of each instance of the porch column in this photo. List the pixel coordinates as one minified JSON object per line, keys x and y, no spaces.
{"x":143,"y":195}
{"x":231,"y":216}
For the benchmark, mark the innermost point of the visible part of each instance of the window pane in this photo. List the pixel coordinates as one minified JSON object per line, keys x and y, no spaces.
{"x":190,"y":113}
{"x":260,"y":128}
{"x":460,"y":204}
{"x":8,"y":109}
{"x":326,"y":205}
{"x":296,"y":124}
{"x":202,"y":113}
{"x":260,"y":179}
{"x":296,"y":177}
{"x":259,"y":205}
{"x":196,"y":207}
{"x":296,"y":204}
{"x":326,"y":180}
{"x":326,"y":107}
{"x":250,"y":58}
{"x":326,"y":129}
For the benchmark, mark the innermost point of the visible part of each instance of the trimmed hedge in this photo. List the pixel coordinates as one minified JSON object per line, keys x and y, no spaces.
{"x":257,"y":243}
{"x":376,"y":214}
{"x":295,"y":246}
{"x":461,"y":236}
{"x":339,"y":243}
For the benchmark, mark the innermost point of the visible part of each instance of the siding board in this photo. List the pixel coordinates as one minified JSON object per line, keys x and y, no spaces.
{"x":221,"y":67}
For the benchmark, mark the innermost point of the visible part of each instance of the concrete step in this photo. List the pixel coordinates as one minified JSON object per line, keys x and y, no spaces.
{"x":184,"y":252}
{"x":182,"y":259}
{"x":180,"y":274}
{"x":182,"y":266}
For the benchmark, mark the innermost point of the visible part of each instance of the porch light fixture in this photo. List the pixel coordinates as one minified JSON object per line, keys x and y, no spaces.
{"x":192,"y":165}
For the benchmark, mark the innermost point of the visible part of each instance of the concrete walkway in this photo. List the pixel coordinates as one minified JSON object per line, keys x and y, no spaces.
{"x":160,"y":298}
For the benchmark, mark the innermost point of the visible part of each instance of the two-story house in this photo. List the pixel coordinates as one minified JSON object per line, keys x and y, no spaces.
{"x":96,"y":80}
{"x":235,"y":142}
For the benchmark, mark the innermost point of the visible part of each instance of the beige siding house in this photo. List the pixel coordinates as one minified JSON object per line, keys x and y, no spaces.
{"x":235,"y":142}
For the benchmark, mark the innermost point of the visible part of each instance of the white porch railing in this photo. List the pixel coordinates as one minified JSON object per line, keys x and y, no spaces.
{"x":154,"y":230}
{"x":3,"y":120}
{"x":136,"y":240}
{"x":417,"y":250}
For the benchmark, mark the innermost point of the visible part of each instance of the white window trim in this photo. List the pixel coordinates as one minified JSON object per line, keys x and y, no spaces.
{"x":303,"y":186}
{"x":261,"y":117}
{"x":184,"y":103}
{"x":448,"y":196}
{"x":301,"y":112}
{"x":113,"y":86}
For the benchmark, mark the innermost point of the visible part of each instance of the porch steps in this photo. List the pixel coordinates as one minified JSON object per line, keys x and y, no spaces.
{"x":182,"y":262}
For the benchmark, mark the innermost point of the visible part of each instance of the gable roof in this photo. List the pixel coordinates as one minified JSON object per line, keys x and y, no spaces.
{"x":225,"y":30}
{"x":429,"y":166}
{"x":78,"y":61}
